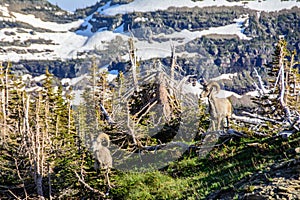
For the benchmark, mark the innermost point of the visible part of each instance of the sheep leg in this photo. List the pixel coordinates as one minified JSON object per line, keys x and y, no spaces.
{"x":107,"y":177}
{"x":212,"y":126}
{"x":219,"y":124}
{"x":227,"y":122}
{"x":96,"y":166}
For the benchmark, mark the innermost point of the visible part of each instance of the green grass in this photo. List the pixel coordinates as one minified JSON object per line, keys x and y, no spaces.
{"x":194,"y":178}
{"x":150,"y":185}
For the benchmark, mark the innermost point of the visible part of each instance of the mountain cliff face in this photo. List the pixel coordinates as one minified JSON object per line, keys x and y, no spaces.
{"x":210,"y":39}
{"x":41,"y":9}
{"x":226,"y":51}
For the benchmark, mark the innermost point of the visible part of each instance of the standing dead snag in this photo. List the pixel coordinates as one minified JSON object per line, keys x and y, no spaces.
{"x":173,"y":62}
{"x":133,"y":60}
{"x":102,"y":155}
{"x":219,"y":108}
{"x":163,"y":95}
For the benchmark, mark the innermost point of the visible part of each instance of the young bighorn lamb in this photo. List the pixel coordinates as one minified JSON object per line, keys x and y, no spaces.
{"x":102,"y":155}
{"x":219,"y":108}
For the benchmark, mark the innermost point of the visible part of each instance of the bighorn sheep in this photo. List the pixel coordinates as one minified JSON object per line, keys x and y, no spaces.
{"x":102,"y":155}
{"x":219,"y":108}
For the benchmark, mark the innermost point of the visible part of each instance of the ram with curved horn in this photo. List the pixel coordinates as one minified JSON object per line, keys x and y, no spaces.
{"x":219,"y":108}
{"x":102,"y":155}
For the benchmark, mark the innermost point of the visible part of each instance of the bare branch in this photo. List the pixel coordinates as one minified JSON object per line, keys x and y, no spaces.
{"x":261,"y":84}
{"x":148,"y":109}
{"x":248,"y":119}
{"x":19,"y":175}
{"x":105,"y":113}
{"x":261,"y":117}
{"x":81,"y":180}
{"x":13,"y":194}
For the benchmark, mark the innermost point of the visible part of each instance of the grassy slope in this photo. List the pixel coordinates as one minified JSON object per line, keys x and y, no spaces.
{"x":218,"y":176}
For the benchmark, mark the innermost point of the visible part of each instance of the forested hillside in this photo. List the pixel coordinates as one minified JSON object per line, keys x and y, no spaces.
{"x":47,"y":144}
{"x":130,"y":99}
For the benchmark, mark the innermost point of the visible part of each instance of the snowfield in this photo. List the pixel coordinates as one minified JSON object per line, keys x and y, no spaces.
{"x":153,"y":5}
{"x":36,"y":22}
{"x":5,"y":12}
{"x":224,"y":77}
{"x":65,"y":44}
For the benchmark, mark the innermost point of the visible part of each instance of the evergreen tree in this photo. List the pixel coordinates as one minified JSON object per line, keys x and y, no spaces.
{"x":280,"y":106}
{"x":39,"y":143}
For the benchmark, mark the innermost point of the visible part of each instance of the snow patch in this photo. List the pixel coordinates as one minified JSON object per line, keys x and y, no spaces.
{"x":225,"y":77}
{"x":66,"y":44}
{"x":148,"y":50}
{"x":253,"y":93}
{"x":40,"y":78}
{"x":26,"y":77}
{"x":141,"y":19}
{"x":36,"y":22}
{"x":73,"y":81}
{"x":33,"y":89}
{"x":154,"y":5}
{"x":226,"y":94}
{"x":189,"y":88}
{"x":4,"y":12}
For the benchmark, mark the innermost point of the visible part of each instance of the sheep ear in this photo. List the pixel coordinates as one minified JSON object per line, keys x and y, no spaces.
{"x":203,"y":81}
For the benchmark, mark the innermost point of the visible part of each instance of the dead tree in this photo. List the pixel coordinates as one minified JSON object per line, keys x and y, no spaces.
{"x":102,"y":155}
{"x":163,"y":96}
{"x":219,"y":108}
{"x":133,"y":60}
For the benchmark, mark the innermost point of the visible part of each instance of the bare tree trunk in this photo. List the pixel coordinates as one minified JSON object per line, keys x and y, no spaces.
{"x":173,"y":63}
{"x":6,"y":85}
{"x":49,"y":182}
{"x":3,"y":105}
{"x":283,"y":85}
{"x":163,"y":97}
{"x":56,"y":131}
{"x":133,"y":59}
{"x":94,"y":80}
{"x":104,"y":91}
{"x":37,"y":156}
{"x":69,"y":116}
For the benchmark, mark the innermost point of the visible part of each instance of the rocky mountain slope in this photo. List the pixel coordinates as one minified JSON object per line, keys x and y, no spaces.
{"x":211,"y":37}
{"x":41,"y":9}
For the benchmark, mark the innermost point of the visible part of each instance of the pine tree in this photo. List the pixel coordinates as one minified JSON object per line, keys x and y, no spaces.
{"x":281,"y":105}
{"x":13,"y":148}
{"x":97,"y":105}
{"x":40,"y":139}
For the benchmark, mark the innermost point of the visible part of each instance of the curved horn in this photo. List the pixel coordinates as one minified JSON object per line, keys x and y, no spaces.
{"x":212,"y":85}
